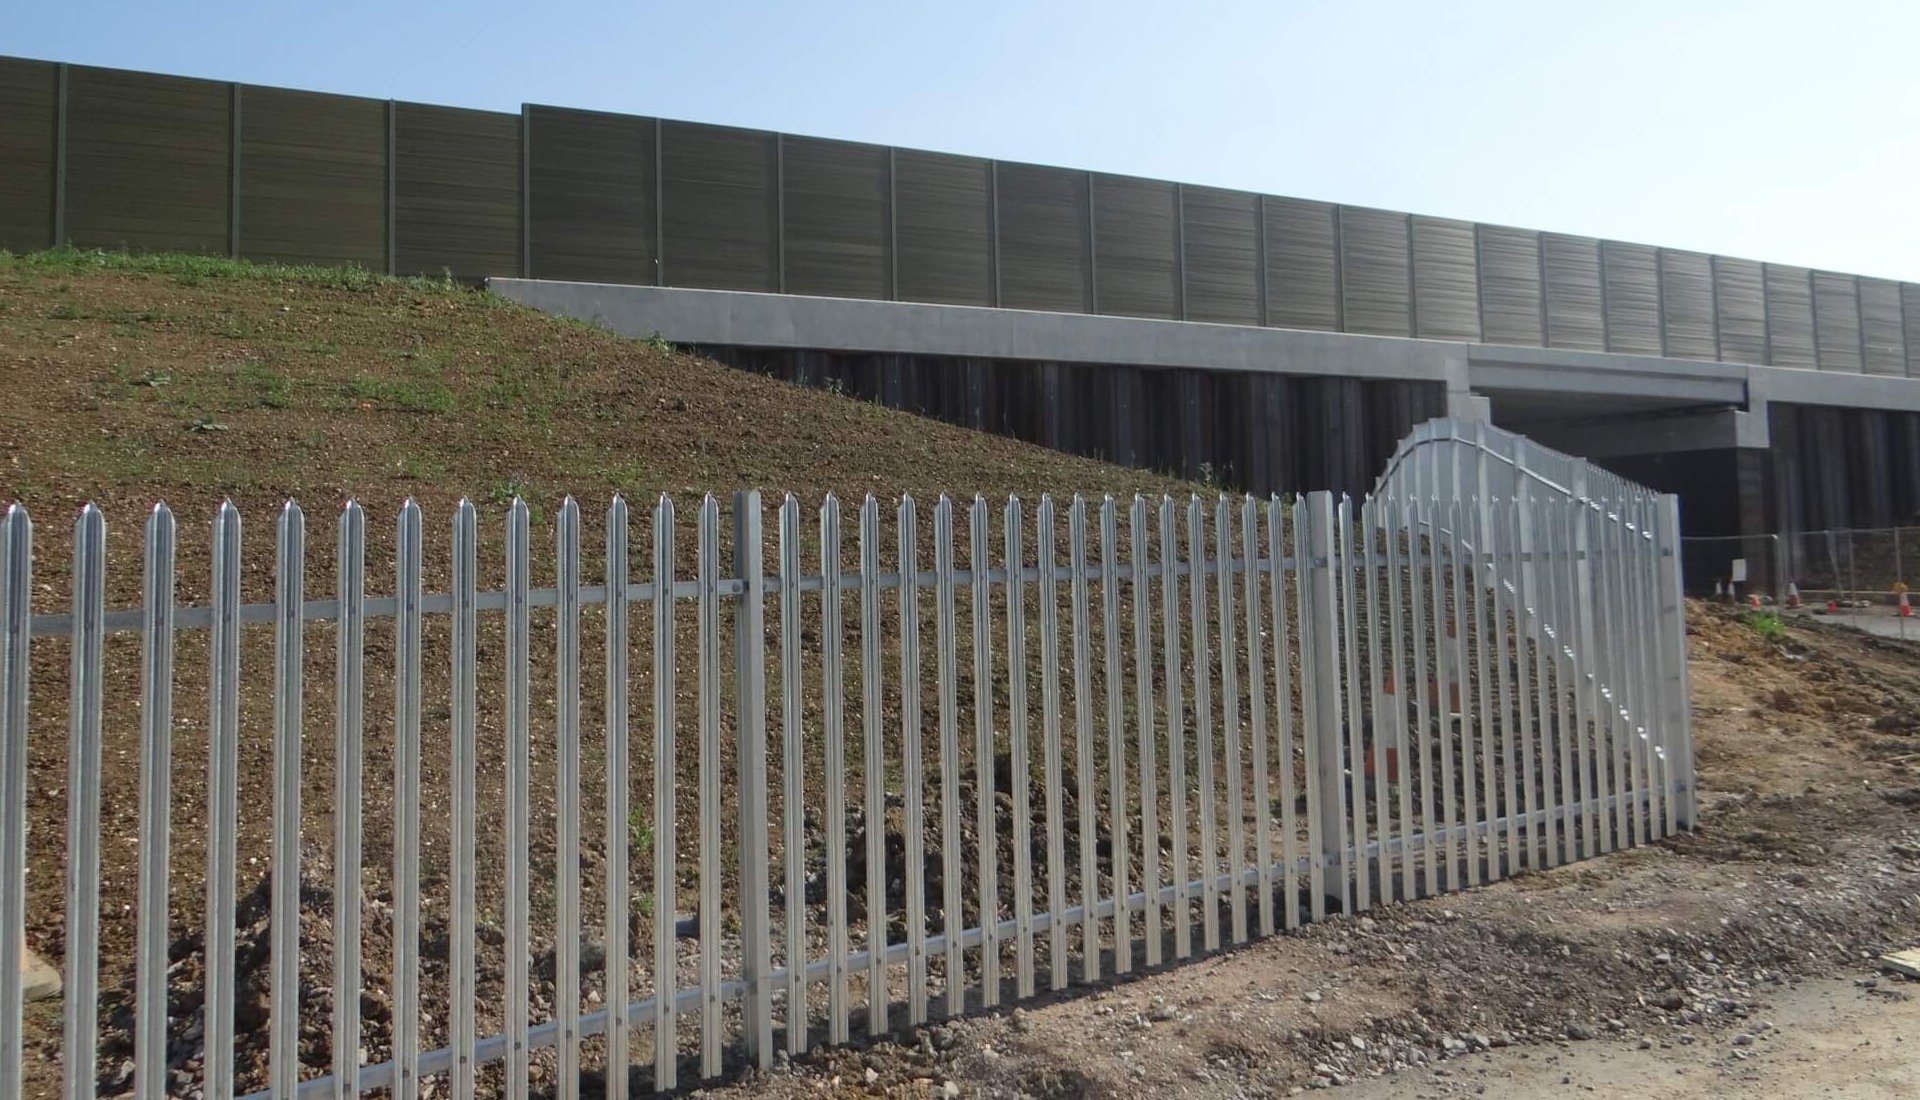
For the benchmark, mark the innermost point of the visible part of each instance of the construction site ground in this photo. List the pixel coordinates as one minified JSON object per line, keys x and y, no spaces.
{"x":1739,"y":958}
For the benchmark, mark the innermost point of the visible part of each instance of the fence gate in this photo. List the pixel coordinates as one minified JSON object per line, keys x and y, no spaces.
{"x":711,"y":791}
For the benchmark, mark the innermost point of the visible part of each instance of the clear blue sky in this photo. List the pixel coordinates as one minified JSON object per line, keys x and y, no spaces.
{"x":1782,"y":130}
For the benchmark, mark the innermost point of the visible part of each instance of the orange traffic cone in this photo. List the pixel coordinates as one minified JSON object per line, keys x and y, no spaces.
{"x":1793,"y":594}
{"x":1906,"y":609}
{"x":1753,"y":600}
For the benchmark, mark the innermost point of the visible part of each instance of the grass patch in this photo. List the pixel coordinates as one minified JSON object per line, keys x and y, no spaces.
{"x":237,"y":327}
{"x":640,"y":836}
{"x":627,"y":477}
{"x":141,"y":316}
{"x":505,"y":491}
{"x":313,"y":347}
{"x":188,"y":269}
{"x":1768,"y":624}
{"x":415,"y":395}
{"x":270,"y":386}
{"x":111,"y":459}
{"x":414,"y":468}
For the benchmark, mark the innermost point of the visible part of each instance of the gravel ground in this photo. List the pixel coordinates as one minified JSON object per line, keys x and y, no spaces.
{"x":1725,"y":959}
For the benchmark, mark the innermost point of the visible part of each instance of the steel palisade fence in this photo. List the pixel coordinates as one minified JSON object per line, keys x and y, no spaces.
{"x":1290,"y":708}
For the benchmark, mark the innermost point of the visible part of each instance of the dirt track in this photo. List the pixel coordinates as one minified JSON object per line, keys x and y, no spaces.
{"x":1638,"y":973}
{"x":1825,"y":1037}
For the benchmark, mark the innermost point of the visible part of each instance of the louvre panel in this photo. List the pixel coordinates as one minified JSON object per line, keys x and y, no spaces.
{"x":1836,"y":306}
{"x":943,"y":221}
{"x":456,"y":191}
{"x":1135,"y":246}
{"x":313,"y":178}
{"x":1446,"y":284}
{"x":1043,"y":238}
{"x":1303,"y":265}
{"x":1789,"y":316}
{"x":1886,"y":346}
{"x":148,"y":161}
{"x":1686,"y":296}
{"x":835,"y":206}
{"x":1510,"y":286}
{"x":1740,"y":309}
{"x":1910,"y":320}
{"x":1221,"y":243}
{"x":717,"y":184}
{"x":1572,"y":266}
{"x":1633,"y":297}
{"x":1373,"y":272}
{"x":27,"y":105}
{"x":153,"y":162}
{"x":591,"y":182}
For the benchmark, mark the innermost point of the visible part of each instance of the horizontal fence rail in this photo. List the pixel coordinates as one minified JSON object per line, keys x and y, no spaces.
{"x":779,"y":777}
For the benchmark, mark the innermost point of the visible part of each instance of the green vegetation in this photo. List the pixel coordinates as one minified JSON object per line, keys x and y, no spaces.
{"x":184,"y":378}
{"x":415,"y":395}
{"x":271,"y":387}
{"x":505,"y":491}
{"x":640,"y":841}
{"x":1767,"y":624}
{"x":192,"y":270}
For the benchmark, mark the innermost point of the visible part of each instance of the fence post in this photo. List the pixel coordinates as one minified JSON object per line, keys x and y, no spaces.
{"x":1678,"y":716}
{"x":750,"y":686}
{"x":16,"y":596}
{"x":1320,"y":651}
{"x":1542,"y":834}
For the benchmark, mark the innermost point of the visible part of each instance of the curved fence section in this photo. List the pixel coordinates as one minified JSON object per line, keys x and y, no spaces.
{"x":624,"y":801}
{"x":1579,"y":572}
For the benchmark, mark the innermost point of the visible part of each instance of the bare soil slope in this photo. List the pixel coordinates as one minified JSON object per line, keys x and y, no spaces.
{"x":130,"y":380}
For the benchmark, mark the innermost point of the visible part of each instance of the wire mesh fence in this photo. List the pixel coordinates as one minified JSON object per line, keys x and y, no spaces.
{"x":762,"y":781}
{"x":1852,"y":569}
